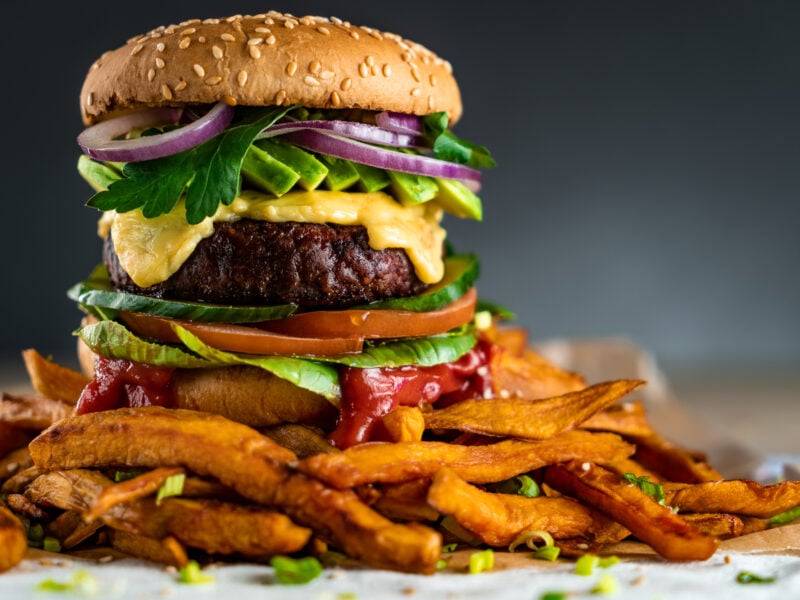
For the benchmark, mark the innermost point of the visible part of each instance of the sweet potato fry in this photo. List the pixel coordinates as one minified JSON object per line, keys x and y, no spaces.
{"x":52,"y":380}
{"x":512,"y":338}
{"x":530,"y":376}
{"x":404,"y":461}
{"x":300,"y":439}
{"x":739,"y":496}
{"x":404,"y":424}
{"x":671,"y":462}
{"x":720,"y":525}
{"x":244,"y":460}
{"x":12,"y":539}
{"x":657,"y":525}
{"x":146,"y":548}
{"x":12,"y":438}
{"x":31,"y":412}
{"x":628,"y":418}
{"x":526,"y":418}
{"x":139,"y":487}
{"x":406,"y":501}
{"x":498,"y":519}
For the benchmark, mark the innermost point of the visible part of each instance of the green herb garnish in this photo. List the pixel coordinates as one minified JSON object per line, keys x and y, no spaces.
{"x":447,"y":146}
{"x":82,"y":582}
{"x":51,"y":544}
{"x":607,"y":585}
{"x":654,"y":490}
{"x":585,"y":565}
{"x":172,"y":486}
{"x":748,"y":577}
{"x":449,"y":548}
{"x":192,"y":574}
{"x":481,"y":561}
{"x":210,"y":171}
{"x":785,"y":517}
{"x":292,"y":571}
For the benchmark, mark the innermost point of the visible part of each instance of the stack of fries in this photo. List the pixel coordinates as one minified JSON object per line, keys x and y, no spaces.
{"x":602,"y":475}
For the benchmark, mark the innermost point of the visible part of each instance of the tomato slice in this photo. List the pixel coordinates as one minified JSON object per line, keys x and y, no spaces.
{"x":375,"y":323}
{"x":238,"y":338}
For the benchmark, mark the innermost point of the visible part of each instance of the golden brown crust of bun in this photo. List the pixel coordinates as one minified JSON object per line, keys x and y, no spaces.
{"x":270,"y":59}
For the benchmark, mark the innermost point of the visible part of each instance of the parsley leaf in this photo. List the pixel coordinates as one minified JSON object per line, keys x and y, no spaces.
{"x":446,"y":146}
{"x":210,"y":171}
{"x":654,"y":490}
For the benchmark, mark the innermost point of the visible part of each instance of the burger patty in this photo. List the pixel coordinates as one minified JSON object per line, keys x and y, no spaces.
{"x":249,"y":262}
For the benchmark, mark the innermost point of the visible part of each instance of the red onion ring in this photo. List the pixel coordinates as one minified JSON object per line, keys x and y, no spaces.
{"x":359,"y":152}
{"x":350,"y":129}
{"x":399,"y":122}
{"x":98,"y":141}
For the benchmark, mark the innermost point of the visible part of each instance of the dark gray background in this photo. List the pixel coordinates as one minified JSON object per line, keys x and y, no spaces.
{"x":648,"y":163}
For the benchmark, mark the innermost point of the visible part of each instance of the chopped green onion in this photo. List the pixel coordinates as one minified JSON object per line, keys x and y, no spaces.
{"x":585,"y":565}
{"x":607,"y":585}
{"x":192,"y":574}
{"x":292,"y":571}
{"x":441,"y":564}
{"x":528,"y":487}
{"x":529,"y":537}
{"x":120,"y":476}
{"x":481,"y":561}
{"x":748,"y":577}
{"x":51,"y":544}
{"x":80,"y":581}
{"x":35,"y":535}
{"x":172,"y":486}
{"x":449,"y":547}
{"x":785,"y":517}
{"x":483,"y":320}
{"x":605,"y":562}
{"x":547,"y":553}
{"x":553,"y":596}
{"x":654,"y":490}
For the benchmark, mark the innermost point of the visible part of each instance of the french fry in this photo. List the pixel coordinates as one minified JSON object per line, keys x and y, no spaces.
{"x":146,"y":548}
{"x":406,"y":501}
{"x":12,"y":438}
{"x":300,"y":439}
{"x":529,"y":419}
{"x":52,"y":380}
{"x":498,"y":519}
{"x":404,"y":424}
{"x":246,"y":461}
{"x":18,"y":481}
{"x":138,"y":487}
{"x":380,"y":462}
{"x":12,"y":539}
{"x":739,"y":496}
{"x":31,"y":412}
{"x":14,"y":461}
{"x":720,"y":525}
{"x":627,"y":418}
{"x":530,"y":376}
{"x":671,"y":462}
{"x":657,"y":525}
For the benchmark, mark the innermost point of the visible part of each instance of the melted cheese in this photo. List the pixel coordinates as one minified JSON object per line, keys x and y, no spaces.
{"x":151,"y":250}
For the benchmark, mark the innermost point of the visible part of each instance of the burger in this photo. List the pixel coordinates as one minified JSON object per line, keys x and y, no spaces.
{"x":272,"y":191}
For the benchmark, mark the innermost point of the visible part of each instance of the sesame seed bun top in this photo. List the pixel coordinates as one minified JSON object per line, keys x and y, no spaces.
{"x":270,"y":59}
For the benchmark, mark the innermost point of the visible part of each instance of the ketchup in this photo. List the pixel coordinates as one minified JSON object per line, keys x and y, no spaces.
{"x":119,"y":383}
{"x":369,"y":394}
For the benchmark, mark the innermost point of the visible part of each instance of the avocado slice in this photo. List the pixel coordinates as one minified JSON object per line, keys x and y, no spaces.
{"x":312,"y":172}
{"x":458,"y":200}
{"x":97,"y":174}
{"x":268,"y":173}
{"x":341,"y":173}
{"x":460,"y":274}
{"x":412,"y":189}
{"x":371,"y":179}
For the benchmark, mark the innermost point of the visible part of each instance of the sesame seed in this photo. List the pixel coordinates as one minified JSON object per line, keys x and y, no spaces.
{"x":155,"y":35}
{"x":217,"y":52}
{"x":136,"y":49}
{"x":426,"y":60}
{"x":288,"y":24}
{"x":324,"y":30}
{"x":307,"y":21}
{"x":241,"y":78}
{"x":227,"y":37}
{"x":180,"y":86}
{"x":363,"y":70}
{"x":335,"y":99}
{"x":309,"y":80}
{"x":408,"y":56}
{"x":415,"y":73}
{"x":269,"y":21}
{"x":160,"y":62}
{"x":263,"y":30}
{"x":432,"y":79}
{"x":280,"y":97}
{"x":189,"y":31}
{"x":314,"y":67}
{"x":255,"y":53}
{"x":184,"y":43}
{"x":90,"y":99}
{"x":255,"y":41}
{"x":201,"y":39}
{"x":431,"y":103}
{"x":586,"y":466}
{"x":336,"y":20}
{"x":327,"y":75}
{"x":230,"y":100}
{"x":213,"y":80}
{"x":270,"y":40}
{"x":199,"y":70}
{"x":386,"y":70}
{"x":416,"y":92}
{"x":354,"y":35}
{"x":346,"y":84}
{"x":166,"y":92}
{"x":211,"y":21}
{"x":291,"y":69}
{"x":370,"y":61}
{"x":233,"y":18}
{"x":151,"y":74}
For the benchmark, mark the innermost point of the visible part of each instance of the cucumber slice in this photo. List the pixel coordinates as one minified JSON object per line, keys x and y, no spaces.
{"x":267,"y":173}
{"x":312,"y":172}
{"x":460,"y":274}
{"x":96,"y":291}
